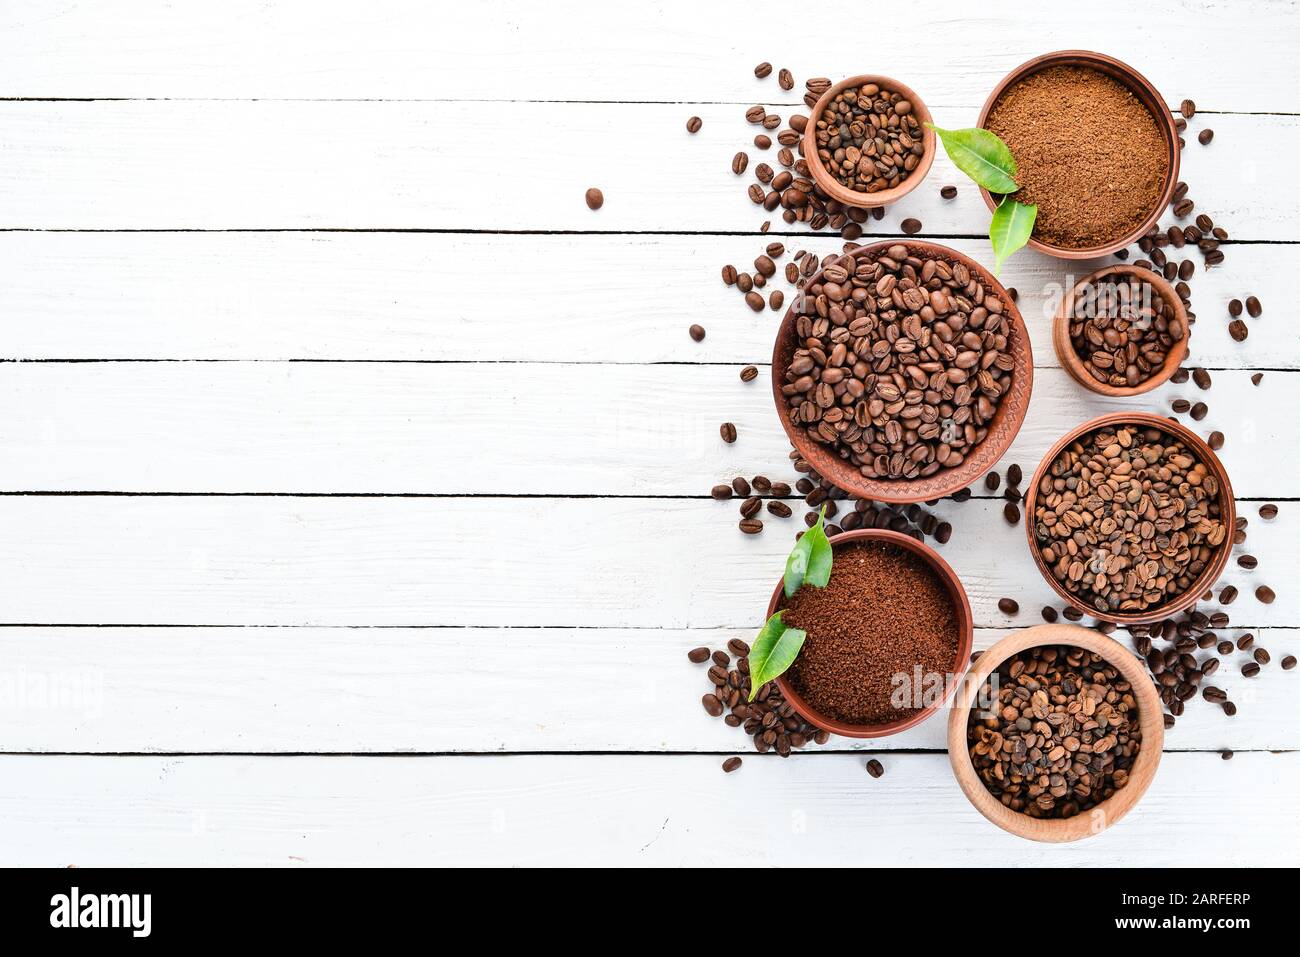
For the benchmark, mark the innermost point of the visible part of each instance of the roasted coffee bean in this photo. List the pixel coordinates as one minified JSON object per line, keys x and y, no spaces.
{"x":1209,"y":667}
{"x":1245,"y":642}
{"x":1188,"y":109}
{"x":779,"y":509}
{"x":731,"y":764}
{"x":1265,"y":594}
{"x":698,"y":655}
{"x":1122,"y":329}
{"x":911,"y":226}
{"x":786,"y":79}
{"x":992,"y":481}
{"x":775,"y":300}
{"x":1008,"y":606}
{"x":1225,"y":647}
{"x":869,"y":139}
{"x":751,"y":526}
{"x":1014,"y":475}
{"x":1214,"y":695}
{"x":1238,"y":330}
{"x":1183,"y":208}
{"x":1215,"y":440}
{"x":762,"y":142}
{"x":1228,"y":595}
{"x":740,"y":485}
{"x":755,"y":114}
{"x":740,"y":163}
{"x":771,"y":121}
{"x":764,"y":70}
{"x":1049,"y":614}
{"x":697,"y":332}
{"x":728,"y":432}
{"x":1201,"y":378}
{"x":1011,"y":512}
{"x":780,"y":489}
{"x":1199,"y":411}
{"x":942,"y":533}
{"x":693,"y":124}
{"x":721,"y":492}
{"x":1253,"y":308}
{"x":595,"y":198}
{"x":1288,"y":662}
{"x":1262,"y":656}
{"x":729,"y":275}
{"x":1268,"y":511}
{"x":1205,"y":136}
{"x":750,"y":506}
{"x":755,"y":301}
{"x":1234,"y":308}
{"x":875,"y":768}
{"x":1250,"y":669}
{"x":948,"y":192}
{"x":712,"y":704}
{"x":749,"y":373}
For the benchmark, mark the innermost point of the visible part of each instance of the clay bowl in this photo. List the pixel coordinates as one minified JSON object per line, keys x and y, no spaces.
{"x":1002,"y":430}
{"x":1151,"y":99}
{"x":1097,"y":819}
{"x":965,"y":627}
{"x":1075,"y":365}
{"x":829,"y":185}
{"x":1227,"y":514}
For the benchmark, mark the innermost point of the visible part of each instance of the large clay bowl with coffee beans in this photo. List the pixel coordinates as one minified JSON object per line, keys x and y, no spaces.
{"x":1143,"y":91}
{"x":961,"y":617}
{"x":836,"y":190}
{"x":1059,"y":711}
{"x":915,"y":372}
{"x":1085,"y":293}
{"x":1154,"y":525}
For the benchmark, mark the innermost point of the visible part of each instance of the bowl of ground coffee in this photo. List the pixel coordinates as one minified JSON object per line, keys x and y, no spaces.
{"x":1121,"y":330}
{"x":1095,"y":147}
{"x":902,"y":371}
{"x":866,"y":143}
{"x":887,"y":638}
{"x":1056,"y":733}
{"x":1130,"y":517}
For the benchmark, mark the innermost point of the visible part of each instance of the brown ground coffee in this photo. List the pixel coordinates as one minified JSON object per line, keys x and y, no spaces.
{"x":883,"y":613}
{"x":1088,"y":152}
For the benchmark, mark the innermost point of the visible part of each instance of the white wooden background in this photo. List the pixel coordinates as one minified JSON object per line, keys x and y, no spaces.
{"x":353,"y":474}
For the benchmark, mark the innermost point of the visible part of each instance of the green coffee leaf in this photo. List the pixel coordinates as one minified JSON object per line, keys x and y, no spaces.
{"x":773,"y":651}
{"x":1010,"y":229}
{"x":982,"y":156}
{"x":810,"y":559}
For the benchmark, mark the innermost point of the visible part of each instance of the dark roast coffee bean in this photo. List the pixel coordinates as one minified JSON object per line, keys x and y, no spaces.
{"x":1205,"y":136}
{"x":942,"y":533}
{"x":693,"y":124}
{"x":992,"y":481}
{"x":875,"y":768}
{"x":1250,"y":669}
{"x":595,"y":198}
{"x":731,"y":764}
{"x":1225,"y":647}
{"x":1234,"y":307}
{"x":1049,"y":614}
{"x":721,"y":492}
{"x":1202,"y":378}
{"x":698,"y":655}
{"x":1253,"y":308}
{"x":1011,"y":512}
{"x":1199,"y":411}
{"x":1247,"y":561}
{"x":1008,"y":606}
{"x":765,"y":69}
{"x":779,"y":509}
{"x":911,"y":226}
{"x":728,"y":432}
{"x":1180,"y":406}
{"x":1288,"y":662}
{"x":1262,"y":656}
{"x":1215,"y":440}
{"x":1238,"y":330}
{"x":712,"y":705}
{"x":697,"y":333}
{"x":1014,"y":475}
{"x":948,"y":192}
{"x":1265,"y":594}
{"x":1268,"y":511}
{"x":750,"y":506}
{"x":1245,"y":642}
{"x":1228,"y":595}
{"x":1214,"y":695}
{"x":751,"y":526}
{"x":1183,"y":208}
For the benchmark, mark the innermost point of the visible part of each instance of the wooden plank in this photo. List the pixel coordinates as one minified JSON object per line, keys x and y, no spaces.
{"x":355,"y":690}
{"x":601,"y":810}
{"x":284,"y":165}
{"x":663,"y":51}
{"x":512,"y":562}
{"x":399,"y":296}
{"x":538,"y":429}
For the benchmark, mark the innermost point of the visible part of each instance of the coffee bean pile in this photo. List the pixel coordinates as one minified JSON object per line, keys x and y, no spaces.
{"x":869,"y":139}
{"x":1062,"y":736}
{"x":1123,"y":330}
{"x":901,"y":362}
{"x":1127,"y":518}
{"x":769,"y":719}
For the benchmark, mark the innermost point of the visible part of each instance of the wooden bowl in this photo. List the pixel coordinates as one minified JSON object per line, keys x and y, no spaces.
{"x":832,"y":187}
{"x":1142,"y":88}
{"x":1095,"y":820}
{"x":1071,"y":360}
{"x":965,"y":629}
{"x":1002,"y":430}
{"x":1227,"y":514}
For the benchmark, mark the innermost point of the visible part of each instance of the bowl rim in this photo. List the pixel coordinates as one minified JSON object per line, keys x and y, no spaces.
{"x":1108,"y":812}
{"x":832,"y":187}
{"x":1145,"y":91}
{"x":966,"y":637}
{"x":1227,"y":506}
{"x":946,"y":481}
{"x":1071,"y":360}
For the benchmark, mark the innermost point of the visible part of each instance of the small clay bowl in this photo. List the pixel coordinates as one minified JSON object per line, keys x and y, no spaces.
{"x":1094,"y":820}
{"x":1002,"y":430}
{"x":1142,"y":88}
{"x":850,"y":197}
{"x":1227,"y":514}
{"x":965,"y":629}
{"x":1075,"y":365}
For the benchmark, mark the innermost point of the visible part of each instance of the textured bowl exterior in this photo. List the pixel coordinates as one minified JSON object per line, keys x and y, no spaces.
{"x":1145,"y":91}
{"x":829,"y":185}
{"x":1227,"y":514}
{"x":1002,"y":430}
{"x":965,"y":636}
{"x":1074,"y":365}
{"x":1095,"y":820}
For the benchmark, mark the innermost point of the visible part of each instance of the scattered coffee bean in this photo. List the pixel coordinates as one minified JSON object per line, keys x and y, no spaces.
{"x":1253,"y":308}
{"x":948,"y":192}
{"x":1011,"y":512}
{"x":728,"y":432}
{"x":875,"y":768}
{"x":693,"y":124}
{"x":1262,"y":656}
{"x":1245,"y":642}
{"x":698,"y":655}
{"x":1238,"y":330}
{"x":1215,"y":440}
{"x":911,"y":226}
{"x":1226,"y":754}
{"x":1256,"y":378}
{"x":1014,"y":475}
{"x":595,"y":198}
{"x":763,"y":70}
{"x":786,"y":79}
{"x":1199,"y":411}
{"x":751,"y":526}
{"x":721,"y":492}
{"x":1268,"y":511}
{"x":1205,"y":136}
{"x":755,"y":301}
{"x":1049,"y":614}
{"x":740,"y":163}
{"x":1225,"y":647}
{"x":1265,"y":594}
{"x":1229,"y":708}
{"x":1228,"y":595}
{"x":1250,"y":669}
{"x":1248,"y":562}
{"x":779,"y":509}
{"x":697,"y":333}
{"x":712,"y":704}
{"x":992,"y":481}
{"x":1288,"y":662}
{"x":1201,"y":378}
{"x":731,"y":764}
{"x":1180,"y":406}
{"x":763,"y":142}
{"x":749,"y":373}
{"x":1188,"y":109}
{"x":1009,"y":607}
